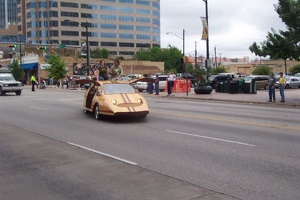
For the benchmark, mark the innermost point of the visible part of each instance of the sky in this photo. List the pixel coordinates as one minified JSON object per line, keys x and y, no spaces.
{"x":233,"y":25}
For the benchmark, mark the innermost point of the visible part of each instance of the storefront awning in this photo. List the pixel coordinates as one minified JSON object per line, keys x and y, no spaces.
{"x":29,"y":66}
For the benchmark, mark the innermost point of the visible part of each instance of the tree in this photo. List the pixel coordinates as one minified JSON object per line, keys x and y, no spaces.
{"x":218,"y":70}
{"x":171,"y":56}
{"x":261,"y":70}
{"x":100,"y":53}
{"x":295,"y":69}
{"x":57,"y":69}
{"x":16,"y":70}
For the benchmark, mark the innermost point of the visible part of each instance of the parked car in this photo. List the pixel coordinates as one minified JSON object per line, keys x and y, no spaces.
{"x":8,"y":84}
{"x":140,"y":86}
{"x":261,"y":81}
{"x":114,"y":98}
{"x":291,"y":82}
{"x":219,"y":79}
{"x":297,"y":75}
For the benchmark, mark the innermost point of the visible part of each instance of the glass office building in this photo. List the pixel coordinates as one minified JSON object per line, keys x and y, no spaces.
{"x":8,"y":13}
{"x":121,"y":26}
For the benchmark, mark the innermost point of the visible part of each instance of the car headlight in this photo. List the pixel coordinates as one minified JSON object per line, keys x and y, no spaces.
{"x":114,"y":102}
{"x":139,"y":100}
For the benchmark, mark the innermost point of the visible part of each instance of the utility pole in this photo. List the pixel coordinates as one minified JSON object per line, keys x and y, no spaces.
{"x":195,"y":54}
{"x":216,"y":56}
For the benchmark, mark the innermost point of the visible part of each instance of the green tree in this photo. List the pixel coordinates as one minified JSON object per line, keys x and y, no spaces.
{"x":16,"y":70}
{"x":295,"y":69}
{"x":171,"y":56}
{"x":261,"y":70}
{"x":57,"y":69}
{"x":100,"y":53}
{"x":218,"y":70}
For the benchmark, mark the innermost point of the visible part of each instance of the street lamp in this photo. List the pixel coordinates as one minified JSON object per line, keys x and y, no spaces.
{"x":207,"y":40}
{"x":87,"y":43}
{"x":183,"y":64}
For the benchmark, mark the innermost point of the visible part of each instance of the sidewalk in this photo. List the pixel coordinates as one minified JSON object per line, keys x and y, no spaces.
{"x":292,"y":97}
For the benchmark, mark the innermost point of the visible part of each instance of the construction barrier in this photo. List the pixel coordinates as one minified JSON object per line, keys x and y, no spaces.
{"x":179,"y":86}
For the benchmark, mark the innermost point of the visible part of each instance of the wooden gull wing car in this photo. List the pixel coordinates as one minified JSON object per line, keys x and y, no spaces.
{"x":114,"y":98}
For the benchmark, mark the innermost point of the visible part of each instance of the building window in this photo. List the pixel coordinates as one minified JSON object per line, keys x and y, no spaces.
{"x":143,"y":45}
{"x":53,"y":41}
{"x":143,"y":19}
{"x":52,"y":4}
{"x":53,"y":33}
{"x":69,"y":14}
{"x":69,"y":5}
{"x":126,"y":36}
{"x":113,"y":53}
{"x":108,"y":8}
{"x":108,"y":26}
{"x":156,"y":5}
{"x":109,"y":35}
{"x":42,"y":4}
{"x":70,"y":42}
{"x":127,"y":53}
{"x":53,"y":14}
{"x":43,"y":41}
{"x":32,"y":24}
{"x":126,"y":1}
{"x":89,"y":6}
{"x":69,"y":33}
{"x":32,"y":34}
{"x":126,"y":18}
{"x":108,"y":44}
{"x":108,"y":17}
{"x":53,"y":23}
{"x":32,"y":5}
{"x":155,"y":21}
{"x":143,"y":11}
{"x":90,"y":34}
{"x":43,"y":33}
{"x":89,"y":15}
{"x":125,"y":44}
{"x":31,"y":15}
{"x":156,"y":38}
{"x":140,"y":2}
{"x":43,"y":24}
{"x":143,"y":37}
{"x":126,"y":27}
{"x":125,"y":10}
{"x":94,"y":44}
{"x":43,"y":14}
{"x":156,"y":13}
{"x":109,"y":0}
{"x":143,"y":28}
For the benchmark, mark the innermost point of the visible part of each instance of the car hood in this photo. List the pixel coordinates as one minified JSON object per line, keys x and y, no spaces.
{"x":10,"y":82}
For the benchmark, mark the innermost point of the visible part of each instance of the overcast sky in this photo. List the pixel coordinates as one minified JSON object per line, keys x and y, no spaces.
{"x":233,"y":25}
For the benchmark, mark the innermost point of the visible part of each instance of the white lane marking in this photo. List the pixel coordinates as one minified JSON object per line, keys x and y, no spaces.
{"x":211,"y":138}
{"x":39,"y":108}
{"x":104,"y":154}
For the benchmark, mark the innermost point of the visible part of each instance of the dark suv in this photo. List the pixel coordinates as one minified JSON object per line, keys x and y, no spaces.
{"x":218,"y":79}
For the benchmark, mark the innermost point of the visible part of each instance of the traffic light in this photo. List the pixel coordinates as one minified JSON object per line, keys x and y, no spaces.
{"x":12,"y":46}
{"x":44,"y":48}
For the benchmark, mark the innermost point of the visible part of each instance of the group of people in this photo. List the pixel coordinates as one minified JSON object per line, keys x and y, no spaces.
{"x":272,"y":86}
{"x":104,"y":73}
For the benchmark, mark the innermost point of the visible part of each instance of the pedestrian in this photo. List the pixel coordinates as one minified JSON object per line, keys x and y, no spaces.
{"x":156,"y":85}
{"x":33,"y":80}
{"x":67,"y":81}
{"x":282,"y":82}
{"x":150,"y":85}
{"x":271,"y":84}
{"x":171,"y":80}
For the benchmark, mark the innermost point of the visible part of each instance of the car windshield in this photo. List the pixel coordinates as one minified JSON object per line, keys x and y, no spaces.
{"x":7,"y":77}
{"x":117,"y":89}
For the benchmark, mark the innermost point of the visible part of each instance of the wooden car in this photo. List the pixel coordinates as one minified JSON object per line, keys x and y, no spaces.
{"x":114,"y":98}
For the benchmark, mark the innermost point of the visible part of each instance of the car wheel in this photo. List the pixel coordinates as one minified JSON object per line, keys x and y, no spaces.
{"x":97,"y":112}
{"x":18,"y":92}
{"x":140,"y":90}
{"x":1,"y":92}
{"x":287,"y":86}
{"x":266,"y":87}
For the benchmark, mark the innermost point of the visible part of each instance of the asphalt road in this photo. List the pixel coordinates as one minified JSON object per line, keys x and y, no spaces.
{"x":244,"y":151}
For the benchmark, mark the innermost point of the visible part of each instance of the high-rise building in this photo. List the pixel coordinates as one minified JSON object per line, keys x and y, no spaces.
{"x":8,"y":13}
{"x":121,"y":26}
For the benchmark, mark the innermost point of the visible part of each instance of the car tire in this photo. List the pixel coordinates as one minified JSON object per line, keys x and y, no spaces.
{"x":287,"y":86}
{"x":140,"y":90}
{"x":18,"y":92}
{"x":97,"y":112}
{"x":266,"y":87}
{"x":1,"y":92}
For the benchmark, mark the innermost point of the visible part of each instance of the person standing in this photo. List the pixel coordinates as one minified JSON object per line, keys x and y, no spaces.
{"x":282,"y":83}
{"x":171,"y":80}
{"x":271,"y":84}
{"x":156,"y":85}
{"x":33,"y":80}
